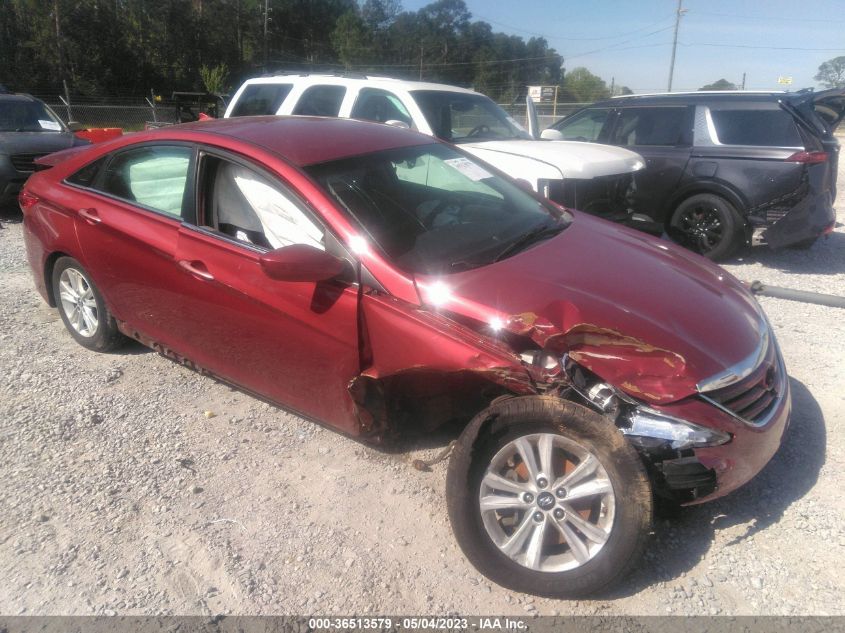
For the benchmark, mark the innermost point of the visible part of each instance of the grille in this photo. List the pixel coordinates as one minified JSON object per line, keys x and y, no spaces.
{"x":25,"y":162}
{"x":753,"y":397}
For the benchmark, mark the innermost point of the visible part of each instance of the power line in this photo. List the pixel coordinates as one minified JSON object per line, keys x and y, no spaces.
{"x":764,"y":17}
{"x":775,"y":48}
{"x":576,"y":39}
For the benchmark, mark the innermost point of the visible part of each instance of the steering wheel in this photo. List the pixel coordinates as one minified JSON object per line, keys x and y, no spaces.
{"x":440,"y":207}
{"x":478,"y":129}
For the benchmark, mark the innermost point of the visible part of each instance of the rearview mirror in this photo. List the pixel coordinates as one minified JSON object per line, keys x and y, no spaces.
{"x":300,"y":262}
{"x":75,"y":126}
{"x":551,"y":134}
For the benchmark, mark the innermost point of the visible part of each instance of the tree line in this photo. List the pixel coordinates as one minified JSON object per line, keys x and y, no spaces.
{"x":107,"y":48}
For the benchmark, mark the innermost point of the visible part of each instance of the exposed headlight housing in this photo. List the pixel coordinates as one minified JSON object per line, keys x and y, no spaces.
{"x":635,"y":418}
{"x":646,"y":422}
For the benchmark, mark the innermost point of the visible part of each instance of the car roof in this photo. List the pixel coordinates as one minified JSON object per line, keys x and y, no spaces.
{"x":699,"y":96}
{"x":372,"y":81}
{"x":307,"y":140}
{"x":5,"y":96}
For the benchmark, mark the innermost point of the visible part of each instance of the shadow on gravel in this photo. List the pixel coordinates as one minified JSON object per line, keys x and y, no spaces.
{"x":681,"y":542}
{"x":823,"y":258}
{"x":10,"y":214}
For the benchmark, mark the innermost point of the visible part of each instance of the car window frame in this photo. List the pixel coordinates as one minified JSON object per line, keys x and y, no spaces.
{"x":272,"y":177}
{"x":190,"y":181}
{"x":367,"y":91}
{"x":685,"y":138}
{"x":606,"y":127}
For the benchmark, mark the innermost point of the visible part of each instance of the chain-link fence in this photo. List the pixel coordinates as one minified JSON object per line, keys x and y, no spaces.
{"x":128,"y":114}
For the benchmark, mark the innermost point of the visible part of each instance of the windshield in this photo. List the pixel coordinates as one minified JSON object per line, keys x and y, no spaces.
{"x":433,"y":210}
{"x":460,"y":118}
{"x":27,"y":116}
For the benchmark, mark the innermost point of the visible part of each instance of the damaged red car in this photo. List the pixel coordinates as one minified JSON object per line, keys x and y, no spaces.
{"x":381,"y":282}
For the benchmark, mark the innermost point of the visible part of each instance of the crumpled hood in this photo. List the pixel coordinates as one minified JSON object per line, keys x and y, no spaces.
{"x":35,"y":142}
{"x":646,"y":316}
{"x":573,"y":159}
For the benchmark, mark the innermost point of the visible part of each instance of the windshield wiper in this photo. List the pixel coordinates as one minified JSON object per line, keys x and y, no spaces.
{"x":529,"y":237}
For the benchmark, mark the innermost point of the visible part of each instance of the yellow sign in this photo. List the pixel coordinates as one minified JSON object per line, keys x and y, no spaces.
{"x":785,"y":80}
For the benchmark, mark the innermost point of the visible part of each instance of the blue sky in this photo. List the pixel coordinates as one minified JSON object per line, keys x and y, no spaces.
{"x":632,"y":40}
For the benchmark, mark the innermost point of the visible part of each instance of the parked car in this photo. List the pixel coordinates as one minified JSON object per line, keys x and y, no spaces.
{"x":598,"y":179}
{"x":28,"y":129}
{"x":726,"y":168}
{"x":381,"y":282}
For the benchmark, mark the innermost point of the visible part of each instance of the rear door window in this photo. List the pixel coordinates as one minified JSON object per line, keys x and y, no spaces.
{"x":258,"y":99}
{"x":153,"y":176}
{"x":584,"y":126}
{"x":320,"y":101}
{"x":650,"y":126}
{"x":770,"y":128}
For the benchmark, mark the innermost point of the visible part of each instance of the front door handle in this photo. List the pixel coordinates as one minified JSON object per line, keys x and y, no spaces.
{"x":90,"y":216}
{"x":196,"y":268}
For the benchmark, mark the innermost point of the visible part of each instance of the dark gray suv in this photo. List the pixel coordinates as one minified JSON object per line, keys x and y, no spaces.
{"x":28,"y":130}
{"x":725,"y":169}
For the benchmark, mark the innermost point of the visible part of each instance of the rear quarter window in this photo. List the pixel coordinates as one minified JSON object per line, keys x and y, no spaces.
{"x":769,"y":128}
{"x":259,"y":99}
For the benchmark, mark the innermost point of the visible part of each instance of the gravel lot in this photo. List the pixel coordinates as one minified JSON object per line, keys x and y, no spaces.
{"x":120,"y":495}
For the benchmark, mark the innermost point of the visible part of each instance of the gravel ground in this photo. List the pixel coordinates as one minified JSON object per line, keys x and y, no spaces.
{"x":120,"y":495}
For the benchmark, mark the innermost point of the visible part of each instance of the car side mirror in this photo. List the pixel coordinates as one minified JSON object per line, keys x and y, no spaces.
{"x":397,"y":123}
{"x":551,"y":134}
{"x":300,"y":262}
{"x":75,"y":126}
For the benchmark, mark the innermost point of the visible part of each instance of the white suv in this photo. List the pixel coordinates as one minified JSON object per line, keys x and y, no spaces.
{"x":598,"y":178}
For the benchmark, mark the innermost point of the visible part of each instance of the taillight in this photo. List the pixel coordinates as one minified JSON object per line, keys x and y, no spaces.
{"x":808,"y":158}
{"x":27,"y":200}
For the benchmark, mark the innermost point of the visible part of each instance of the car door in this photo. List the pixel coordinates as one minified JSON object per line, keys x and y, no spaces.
{"x":128,"y":230}
{"x":662,"y":135}
{"x":381,"y":106}
{"x":589,"y":124}
{"x":295,"y":343}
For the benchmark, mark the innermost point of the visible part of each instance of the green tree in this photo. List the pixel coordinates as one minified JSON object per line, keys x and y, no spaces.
{"x":721,"y":84}
{"x":582,"y":85}
{"x":832,"y":73}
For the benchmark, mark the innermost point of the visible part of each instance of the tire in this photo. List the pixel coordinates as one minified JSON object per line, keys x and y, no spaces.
{"x":804,"y":245}
{"x":623,"y":517}
{"x":82,"y":307}
{"x":708,"y":225}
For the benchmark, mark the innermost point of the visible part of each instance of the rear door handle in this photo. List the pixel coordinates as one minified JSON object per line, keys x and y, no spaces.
{"x":197,"y":269}
{"x":90,"y":216}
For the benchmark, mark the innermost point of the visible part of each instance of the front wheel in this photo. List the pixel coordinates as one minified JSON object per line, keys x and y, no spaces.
{"x":708,"y":225}
{"x":547,"y":497}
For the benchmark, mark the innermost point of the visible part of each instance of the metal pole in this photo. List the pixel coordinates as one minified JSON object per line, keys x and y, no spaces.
{"x":743,"y":81}
{"x":675,"y":44}
{"x":67,"y":101}
{"x":421,"y":60}
{"x":554,"y":109}
{"x":266,"y":19}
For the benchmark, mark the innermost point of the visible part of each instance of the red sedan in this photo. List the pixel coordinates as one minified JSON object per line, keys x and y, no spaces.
{"x":378,"y":281}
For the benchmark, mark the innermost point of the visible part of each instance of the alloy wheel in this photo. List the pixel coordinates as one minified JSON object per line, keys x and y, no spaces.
{"x":78,"y":302}
{"x":547,"y":502}
{"x":702,"y":226}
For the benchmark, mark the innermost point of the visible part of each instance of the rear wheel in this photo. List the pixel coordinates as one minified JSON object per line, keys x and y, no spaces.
{"x":707,"y":224}
{"x":547,"y":497}
{"x":82,"y":308}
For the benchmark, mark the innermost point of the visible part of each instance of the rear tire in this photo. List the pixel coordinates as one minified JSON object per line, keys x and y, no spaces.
{"x":708,"y":225}
{"x":559,"y":535}
{"x":82,"y":307}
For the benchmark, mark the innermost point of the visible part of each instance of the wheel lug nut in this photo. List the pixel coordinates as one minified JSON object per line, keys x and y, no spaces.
{"x":561,"y":493}
{"x":559,"y":514}
{"x":528,"y":497}
{"x":542,"y":482}
{"x":538,"y":516}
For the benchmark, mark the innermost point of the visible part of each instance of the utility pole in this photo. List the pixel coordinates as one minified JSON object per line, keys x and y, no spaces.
{"x":421,"y":60}
{"x":678,"y":15}
{"x":266,"y":20}
{"x":743,"y":81}
{"x":612,"y":85}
